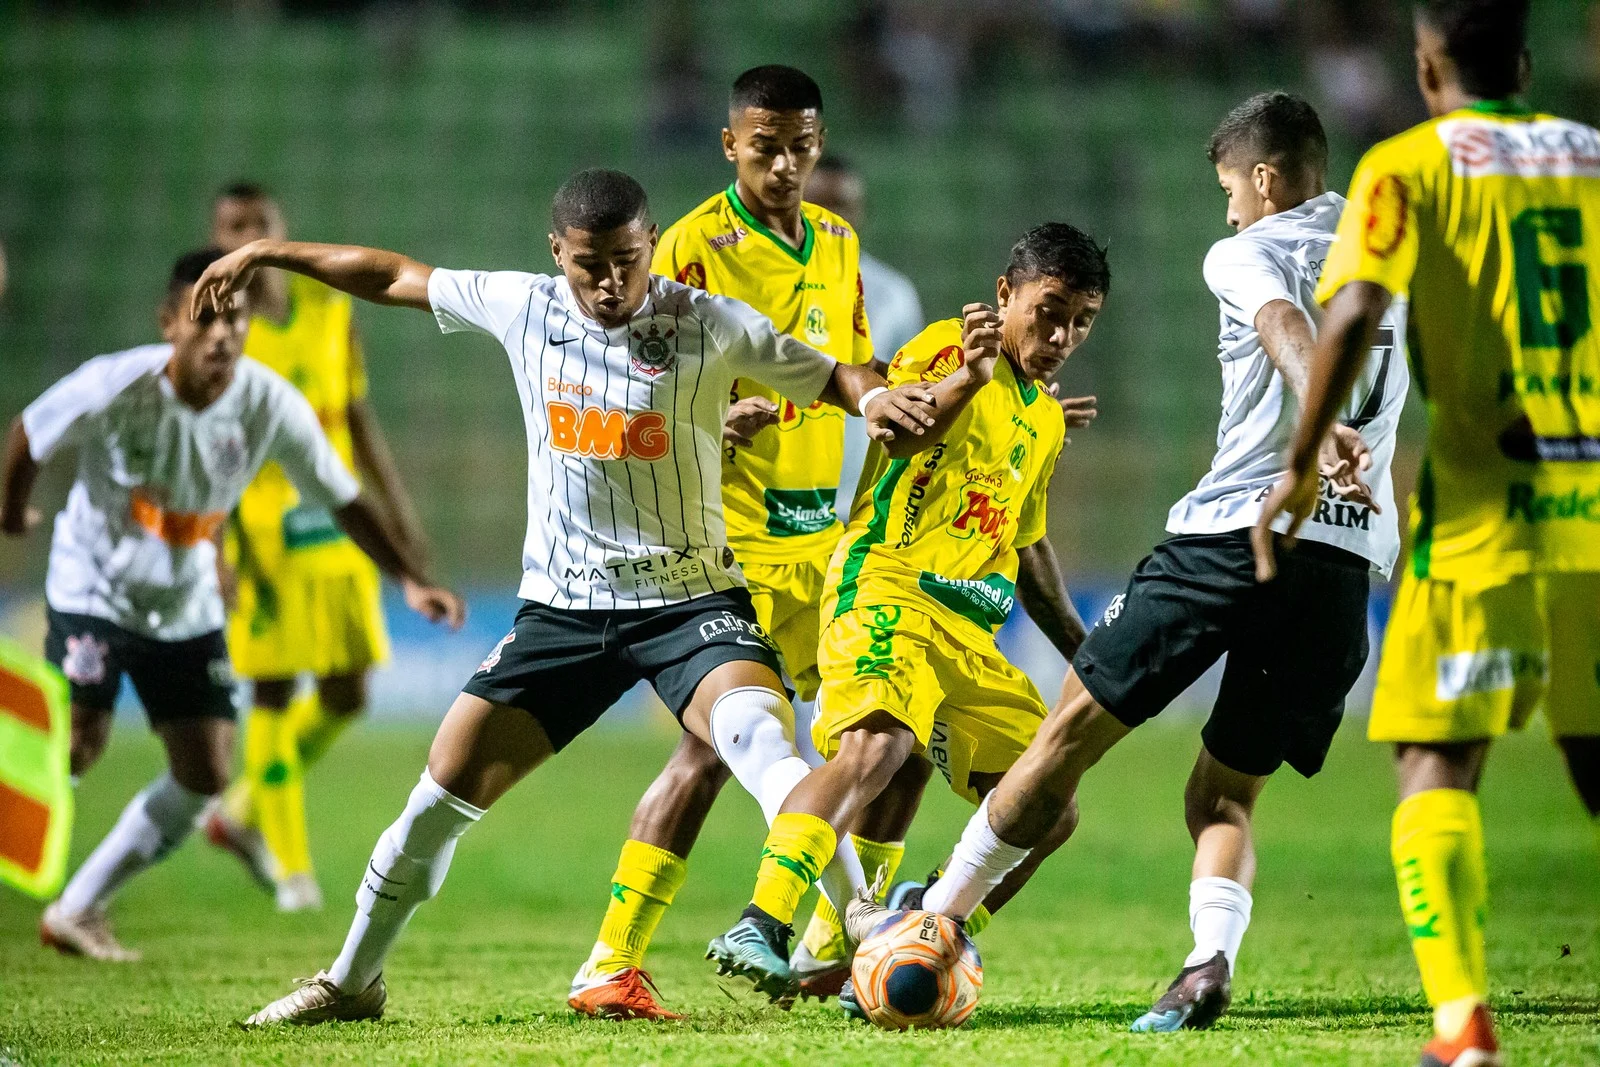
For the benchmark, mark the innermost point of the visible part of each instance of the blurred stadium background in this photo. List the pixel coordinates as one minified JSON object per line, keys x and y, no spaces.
{"x":442,"y":128}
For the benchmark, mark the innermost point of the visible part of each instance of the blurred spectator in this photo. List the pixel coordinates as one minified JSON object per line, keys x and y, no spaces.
{"x":677,"y":102}
{"x":1355,"y":47}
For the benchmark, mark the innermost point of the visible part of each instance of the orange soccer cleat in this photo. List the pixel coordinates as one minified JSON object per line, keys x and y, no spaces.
{"x":627,"y":994}
{"x":1475,"y":1046}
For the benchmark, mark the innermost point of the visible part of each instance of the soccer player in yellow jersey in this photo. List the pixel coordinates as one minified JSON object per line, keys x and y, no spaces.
{"x":927,"y":571}
{"x":307,"y":600}
{"x":1488,"y":218}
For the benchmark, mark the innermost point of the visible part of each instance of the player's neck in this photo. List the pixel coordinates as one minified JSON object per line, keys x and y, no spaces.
{"x":196,"y":397}
{"x":788,"y":226}
{"x":1454,"y":98}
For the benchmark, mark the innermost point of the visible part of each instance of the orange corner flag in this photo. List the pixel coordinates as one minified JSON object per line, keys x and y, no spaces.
{"x":35,"y":777}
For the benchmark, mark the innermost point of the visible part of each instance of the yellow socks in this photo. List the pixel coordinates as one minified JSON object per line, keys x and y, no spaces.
{"x":797,"y":848}
{"x":1437,"y":846}
{"x":315,"y":730}
{"x":647,"y":880}
{"x":272,"y":769}
{"x":978,"y":920}
{"x":825,"y":933}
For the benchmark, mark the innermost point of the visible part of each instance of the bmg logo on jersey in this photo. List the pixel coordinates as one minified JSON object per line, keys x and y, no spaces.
{"x":608,"y":433}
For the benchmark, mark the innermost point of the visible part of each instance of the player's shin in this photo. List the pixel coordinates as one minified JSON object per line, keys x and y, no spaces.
{"x":824,"y":937}
{"x":644,"y":885}
{"x":792,"y":858}
{"x":277,"y":781}
{"x":155,"y":822}
{"x":407,"y":867}
{"x":979,"y":862}
{"x":1219,"y":914}
{"x":315,"y":729}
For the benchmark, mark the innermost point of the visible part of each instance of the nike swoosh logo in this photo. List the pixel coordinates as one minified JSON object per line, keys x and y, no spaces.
{"x":746,"y":641}
{"x":563,"y":340}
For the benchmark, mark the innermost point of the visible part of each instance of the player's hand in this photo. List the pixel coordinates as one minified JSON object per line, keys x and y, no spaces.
{"x":1294,"y":495}
{"x":1079,"y":411}
{"x":18,"y":523}
{"x":907,"y":407}
{"x":980,"y":338}
{"x":746,"y":418}
{"x":221,"y":280}
{"x":1343,"y":458}
{"x":436,"y":604}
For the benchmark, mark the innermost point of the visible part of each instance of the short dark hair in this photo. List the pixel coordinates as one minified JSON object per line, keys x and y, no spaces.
{"x":1277,"y":128}
{"x":188,"y":268}
{"x":243,"y":190}
{"x":1485,"y":38}
{"x":598,"y":200}
{"x":775,"y":87}
{"x":1059,"y":250}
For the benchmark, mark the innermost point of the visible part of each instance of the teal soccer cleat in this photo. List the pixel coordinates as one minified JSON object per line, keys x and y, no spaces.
{"x":1194,"y":1000}
{"x":757,"y":950}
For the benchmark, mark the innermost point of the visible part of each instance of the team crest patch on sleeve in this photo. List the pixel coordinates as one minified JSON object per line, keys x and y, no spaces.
{"x":1386,"y":216}
{"x":85,"y":661}
{"x":492,"y":660}
{"x":652,"y":355}
{"x":946,"y":362}
{"x":693,"y":274}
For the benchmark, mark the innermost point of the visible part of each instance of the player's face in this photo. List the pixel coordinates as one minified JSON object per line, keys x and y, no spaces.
{"x":1246,"y":205}
{"x":609,"y":271}
{"x":1044,"y":320}
{"x":840,"y":192}
{"x":236,"y":221}
{"x":205,"y":349}
{"x":774,"y":153}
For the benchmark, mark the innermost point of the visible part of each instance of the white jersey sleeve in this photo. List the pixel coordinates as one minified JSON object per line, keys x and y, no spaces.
{"x":487,"y":301}
{"x":755,"y":349}
{"x":1245,"y":277}
{"x":303,"y":451}
{"x":58,"y":417}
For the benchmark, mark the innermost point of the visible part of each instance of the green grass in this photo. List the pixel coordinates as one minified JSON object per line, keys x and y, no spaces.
{"x":480,"y":977}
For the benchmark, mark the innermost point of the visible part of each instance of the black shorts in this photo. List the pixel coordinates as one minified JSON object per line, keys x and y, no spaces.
{"x":1295,"y":645}
{"x":565,"y":668}
{"x":189,"y":679}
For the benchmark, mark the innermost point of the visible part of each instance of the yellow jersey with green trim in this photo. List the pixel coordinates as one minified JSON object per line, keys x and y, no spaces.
{"x":1488,"y":219}
{"x":315,"y":351}
{"x":939,"y":531}
{"x":778,"y":494}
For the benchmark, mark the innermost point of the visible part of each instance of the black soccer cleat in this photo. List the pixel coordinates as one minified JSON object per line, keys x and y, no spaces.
{"x":1194,"y":1000}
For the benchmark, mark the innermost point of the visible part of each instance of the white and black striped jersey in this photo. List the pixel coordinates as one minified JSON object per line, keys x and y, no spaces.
{"x":624,"y":429}
{"x":1281,"y":258}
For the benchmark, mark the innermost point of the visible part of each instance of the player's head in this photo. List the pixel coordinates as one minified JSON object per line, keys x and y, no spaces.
{"x":602,"y":239}
{"x":1271,"y":155}
{"x":1053,"y":287}
{"x":1471,"y":49}
{"x":774,"y":134}
{"x":837,"y":186}
{"x":243,"y":212}
{"x":206,"y":347}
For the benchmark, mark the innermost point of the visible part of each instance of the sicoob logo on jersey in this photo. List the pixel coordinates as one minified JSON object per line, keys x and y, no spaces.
{"x":652,"y":356}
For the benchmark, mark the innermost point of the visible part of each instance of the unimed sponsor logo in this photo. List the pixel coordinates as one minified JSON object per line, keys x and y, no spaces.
{"x":608,"y":433}
{"x":1523,"y":502}
{"x":1488,"y":670}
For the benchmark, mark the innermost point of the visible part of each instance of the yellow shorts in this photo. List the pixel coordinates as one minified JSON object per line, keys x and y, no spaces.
{"x":788,"y":601}
{"x":1465,"y":664}
{"x":973,"y":712}
{"x":324,"y":618}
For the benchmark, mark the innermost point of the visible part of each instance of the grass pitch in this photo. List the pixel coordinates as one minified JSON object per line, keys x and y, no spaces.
{"x":481,"y":976}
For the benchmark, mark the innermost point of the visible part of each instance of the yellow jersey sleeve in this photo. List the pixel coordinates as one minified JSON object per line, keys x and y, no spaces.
{"x":1378,"y":238}
{"x":931,"y":356}
{"x":861,"y":346}
{"x":1036,"y":508}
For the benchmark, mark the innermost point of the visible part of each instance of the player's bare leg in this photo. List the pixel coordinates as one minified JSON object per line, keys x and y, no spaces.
{"x":156,"y":820}
{"x":666,"y":823}
{"x":1437,"y":846}
{"x":480,"y":751}
{"x":1218,"y":804}
{"x":1583,"y":764}
{"x":91,"y":732}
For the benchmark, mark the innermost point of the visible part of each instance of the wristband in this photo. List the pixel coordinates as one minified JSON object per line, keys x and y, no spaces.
{"x":866,"y":398}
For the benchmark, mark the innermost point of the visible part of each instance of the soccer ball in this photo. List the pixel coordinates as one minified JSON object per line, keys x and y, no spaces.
{"x":917,"y":968}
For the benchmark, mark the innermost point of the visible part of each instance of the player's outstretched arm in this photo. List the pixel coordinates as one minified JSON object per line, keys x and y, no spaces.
{"x":361,"y":521}
{"x":1043,"y":592}
{"x":902,"y":413}
{"x":367,"y":273}
{"x":1348,"y":329}
{"x":980,"y":342}
{"x":21,"y":471}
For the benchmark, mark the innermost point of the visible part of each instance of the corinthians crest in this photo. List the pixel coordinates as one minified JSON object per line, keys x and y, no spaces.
{"x":652,"y":356}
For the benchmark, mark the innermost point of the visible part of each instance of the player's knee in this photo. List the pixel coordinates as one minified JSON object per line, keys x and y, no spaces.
{"x":876,"y":748}
{"x":91,"y":731}
{"x":692,"y":769}
{"x":1064,"y":739}
{"x":273,"y":694}
{"x":343,"y":694}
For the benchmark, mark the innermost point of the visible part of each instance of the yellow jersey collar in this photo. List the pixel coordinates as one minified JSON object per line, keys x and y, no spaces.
{"x":1507,"y":106}
{"x":1029,"y":391}
{"x":802,"y":255}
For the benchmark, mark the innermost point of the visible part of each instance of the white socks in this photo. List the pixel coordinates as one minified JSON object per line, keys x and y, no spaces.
{"x":1219,"y":913}
{"x":155,"y":822}
{"x":408,"y":866}
{"x":980,"y":862}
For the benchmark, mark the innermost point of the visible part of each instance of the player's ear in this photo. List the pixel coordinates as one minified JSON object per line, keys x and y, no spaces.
{"x":730,"y":145}
{"x":1262,"y":177}
{"x":1002,"y":291}
{"x":555,"y":250}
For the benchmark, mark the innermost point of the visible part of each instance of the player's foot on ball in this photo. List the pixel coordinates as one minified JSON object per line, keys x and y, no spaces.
{"x":907,"y":896}
{"x":1475,"y":1046}
{"x":848,"y":1002}
{"x":627,"y":994}
{"x":245,"y":842}
{"x":88,"y":935}
{"x":818,"y":977}
{"x":863,"y":914}
{"x":757,"y":950}
{"x":318,"y":1000}
{"x":299,"y":892}
{"x":1193,"y":1001}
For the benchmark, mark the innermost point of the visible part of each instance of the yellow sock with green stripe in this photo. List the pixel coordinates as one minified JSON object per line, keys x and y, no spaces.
{"x":825,"y":933}
{"x":978,"y":920}
{"x":315,"y":730}
{"x":643,"y":887}
{"x":1437,"y":847}
{"x":272,"y":767}
{"x":797,"y":848}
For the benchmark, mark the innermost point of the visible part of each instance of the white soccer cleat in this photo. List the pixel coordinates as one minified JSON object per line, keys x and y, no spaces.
{"x":299,"y":892}
{"x":245,"y":842}
{"x":318,"y":1000}
{"x":87,"y":935}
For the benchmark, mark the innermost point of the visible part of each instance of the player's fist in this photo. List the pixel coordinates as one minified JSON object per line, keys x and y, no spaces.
{"x":17,"y":523}
{"x":436,"y":604}
{"x":221,"y":280}
{"x":747,"y":418}
{"x":980,"y":339}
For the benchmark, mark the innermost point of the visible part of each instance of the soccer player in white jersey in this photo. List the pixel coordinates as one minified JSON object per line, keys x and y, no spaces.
{"x":168,"y":436}
{"x":624,"y":379}
{"x":1295,"y":647}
